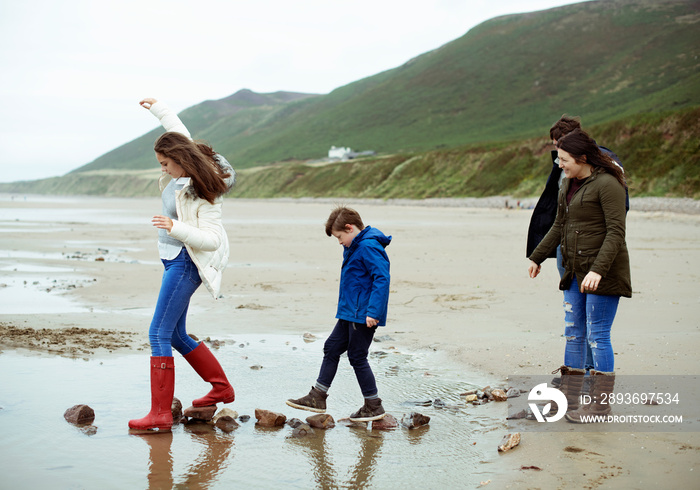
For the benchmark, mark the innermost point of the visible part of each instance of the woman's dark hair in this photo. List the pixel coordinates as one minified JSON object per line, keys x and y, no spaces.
{"x":197,"y":160}
{"x":341,"y":217}
{"x":584,"y":149}
{"x":564,"y":126}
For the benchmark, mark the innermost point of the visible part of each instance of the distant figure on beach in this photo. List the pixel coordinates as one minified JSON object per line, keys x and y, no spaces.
{"x":362,"y":307}
{"x":193,"y":247}
{"x":545,"y":210}
{"x":590,"y":229}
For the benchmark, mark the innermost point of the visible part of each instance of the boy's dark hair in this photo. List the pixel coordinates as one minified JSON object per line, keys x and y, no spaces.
{"x":341,"y":217}
{"x":564,"y":126}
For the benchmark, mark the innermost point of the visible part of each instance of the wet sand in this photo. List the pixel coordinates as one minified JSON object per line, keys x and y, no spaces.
{"x":459,"y":286}
{"x":198,"y":455}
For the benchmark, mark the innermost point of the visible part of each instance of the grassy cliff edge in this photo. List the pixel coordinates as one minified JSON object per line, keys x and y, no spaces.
{"x":660,"y":153}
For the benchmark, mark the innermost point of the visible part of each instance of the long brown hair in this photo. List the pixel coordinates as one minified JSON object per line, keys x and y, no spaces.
{"x":197,"y":160}
{"x":584,"y":149}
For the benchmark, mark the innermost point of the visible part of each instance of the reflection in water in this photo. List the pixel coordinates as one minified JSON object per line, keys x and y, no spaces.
{"x":213,"y":459}
{"x":315,"y":448}
{"x":160,"y":468}
{"x":370,"y":445}
{"x":415,"y":435}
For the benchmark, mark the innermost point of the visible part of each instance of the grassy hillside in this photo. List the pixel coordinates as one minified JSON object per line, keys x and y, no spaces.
{"x":660,"y":152}
{"x":503,"y":80}
{"x":466,"y":119}
{"x":506,"y":78}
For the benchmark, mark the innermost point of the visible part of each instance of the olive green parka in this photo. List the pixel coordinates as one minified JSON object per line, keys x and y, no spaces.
{"x":591,"y":231}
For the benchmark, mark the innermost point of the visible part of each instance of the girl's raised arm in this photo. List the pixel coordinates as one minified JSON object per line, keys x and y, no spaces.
{"x":167,"y":117}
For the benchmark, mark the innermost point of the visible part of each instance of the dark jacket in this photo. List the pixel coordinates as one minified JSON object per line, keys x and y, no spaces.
{"x":364,"y":278}
{"x":591,"y":231}
{"x":546,"y":208}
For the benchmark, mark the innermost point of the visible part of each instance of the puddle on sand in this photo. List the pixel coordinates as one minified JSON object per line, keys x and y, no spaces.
{"x":20,"y":296}
{"x":33,"y":281}
{"x":39,"y":449}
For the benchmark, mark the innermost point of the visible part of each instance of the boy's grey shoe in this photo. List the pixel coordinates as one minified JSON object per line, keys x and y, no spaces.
{"x":371,"y":410}
{"x":315,"y":401}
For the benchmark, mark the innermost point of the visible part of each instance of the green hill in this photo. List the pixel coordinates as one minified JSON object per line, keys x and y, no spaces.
{"x":629,"y":64}
{"x":660,"y":152}
{"x":508,"y":78}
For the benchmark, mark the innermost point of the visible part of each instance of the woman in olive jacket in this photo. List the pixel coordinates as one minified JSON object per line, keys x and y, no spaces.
{"x":590,"y":226}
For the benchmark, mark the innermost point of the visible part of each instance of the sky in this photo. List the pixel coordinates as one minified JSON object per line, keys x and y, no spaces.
{"x":72,"y":72}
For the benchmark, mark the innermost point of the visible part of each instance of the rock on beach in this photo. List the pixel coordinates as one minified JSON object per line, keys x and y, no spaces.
{"x":79,"y":415}
{"x":225,"y":419}
{"x":508,"y":442}
{"x":176,"y":409}
{"x":499,"y":395}
{"x":388,"y":422}
{"x":414,"y":420}
{"x":321,"y":421}
{"x":302,"y":430}
{"x":202,"y":414}
{"x":266,"y":418}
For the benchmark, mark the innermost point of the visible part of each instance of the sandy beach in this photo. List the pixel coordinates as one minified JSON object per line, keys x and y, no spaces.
{"x":459,"y":286}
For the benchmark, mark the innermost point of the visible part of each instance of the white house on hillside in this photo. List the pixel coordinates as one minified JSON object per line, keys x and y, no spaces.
{"x":339,"y":153}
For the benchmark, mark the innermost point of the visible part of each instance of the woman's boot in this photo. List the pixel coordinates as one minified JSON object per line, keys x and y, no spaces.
{"x":205,"y":364}
{"x":571,"y":384}
{"x":603,"y":384}
{"x":162,"y":391}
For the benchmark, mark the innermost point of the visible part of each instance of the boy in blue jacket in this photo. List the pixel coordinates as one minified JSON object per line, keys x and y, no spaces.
{"x":362,"y":307}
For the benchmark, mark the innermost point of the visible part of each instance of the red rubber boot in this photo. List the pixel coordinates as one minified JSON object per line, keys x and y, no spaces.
{"x":162,"y":391}
{"x":205,"y":364}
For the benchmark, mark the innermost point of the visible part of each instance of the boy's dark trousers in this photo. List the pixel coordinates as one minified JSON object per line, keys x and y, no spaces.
{"x":355,"y":338}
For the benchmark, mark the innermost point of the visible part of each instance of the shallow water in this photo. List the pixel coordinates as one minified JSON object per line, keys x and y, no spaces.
{"x":39,"y":449}
{"x":28,"y":292}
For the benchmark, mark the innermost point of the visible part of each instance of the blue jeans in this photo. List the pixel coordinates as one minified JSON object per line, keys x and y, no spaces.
{"x":355,"y":338}
{"x":180,"y":281}
{"x":589,"y":319}
{"x":589,"y":355}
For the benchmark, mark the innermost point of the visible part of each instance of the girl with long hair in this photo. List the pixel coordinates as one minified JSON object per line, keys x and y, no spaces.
{"x":194,"y":249}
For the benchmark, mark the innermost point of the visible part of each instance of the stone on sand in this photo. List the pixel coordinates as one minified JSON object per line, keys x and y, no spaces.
{"x":321,"y":421}
{"x":267,"y":418}
{"x":204,"y":414}
{"x":414,"y":420}
{"x":79,"y":415}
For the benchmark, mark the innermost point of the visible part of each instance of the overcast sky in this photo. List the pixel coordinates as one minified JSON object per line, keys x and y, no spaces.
{"x":72,"y":71}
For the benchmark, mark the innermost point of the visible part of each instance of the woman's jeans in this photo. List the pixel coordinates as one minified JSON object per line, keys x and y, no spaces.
{"x":355,"y":338}
{"x":560,"y":267}
{"x":180,"y":281}
{"x":589,"y":319}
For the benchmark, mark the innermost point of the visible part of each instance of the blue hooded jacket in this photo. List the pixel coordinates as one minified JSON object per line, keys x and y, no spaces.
{"x":364,"y":278}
